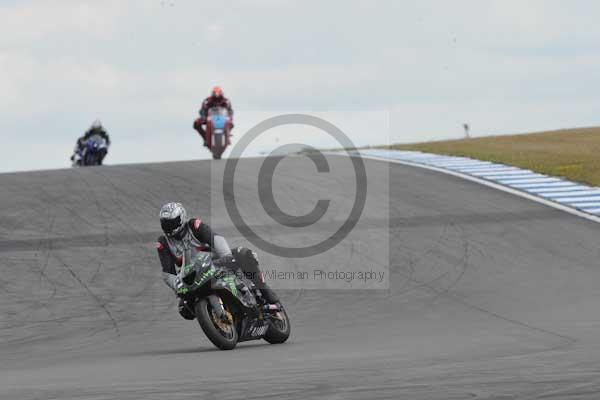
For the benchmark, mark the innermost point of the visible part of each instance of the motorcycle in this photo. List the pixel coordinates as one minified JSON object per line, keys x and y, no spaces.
{"x":218,"y":130}
{"x":93,"y":151}
{"x":227,"y":307}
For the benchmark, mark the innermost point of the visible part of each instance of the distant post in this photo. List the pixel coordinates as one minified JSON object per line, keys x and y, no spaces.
{"x":467,"y":135}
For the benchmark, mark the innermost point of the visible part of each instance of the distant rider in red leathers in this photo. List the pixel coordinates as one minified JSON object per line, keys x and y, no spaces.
{"x":216,"y":99}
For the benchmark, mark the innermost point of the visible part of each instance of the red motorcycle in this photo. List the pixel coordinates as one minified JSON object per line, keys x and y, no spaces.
{"x":218,"y":131}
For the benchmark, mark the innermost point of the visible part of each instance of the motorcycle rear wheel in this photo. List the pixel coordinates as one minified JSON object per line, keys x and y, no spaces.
{"x":279,"y":328}
{"x":214,"y":328}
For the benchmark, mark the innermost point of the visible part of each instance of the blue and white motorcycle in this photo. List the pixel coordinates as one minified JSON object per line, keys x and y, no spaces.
{"x":91,"y":153}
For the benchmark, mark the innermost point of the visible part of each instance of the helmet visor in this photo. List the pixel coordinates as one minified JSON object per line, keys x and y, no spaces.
{"x":170,"y":226}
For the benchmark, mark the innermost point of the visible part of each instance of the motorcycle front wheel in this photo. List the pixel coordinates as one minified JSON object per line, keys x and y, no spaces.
{"x":221,"y":331}
{"x":217,"y":146}
{"x":90,"y":159}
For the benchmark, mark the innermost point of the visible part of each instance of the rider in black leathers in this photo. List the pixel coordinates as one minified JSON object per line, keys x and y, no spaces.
{"x":181,"y":234}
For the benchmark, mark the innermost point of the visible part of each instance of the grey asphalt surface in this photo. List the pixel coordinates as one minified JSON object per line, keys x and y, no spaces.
{"x":490,"y":296}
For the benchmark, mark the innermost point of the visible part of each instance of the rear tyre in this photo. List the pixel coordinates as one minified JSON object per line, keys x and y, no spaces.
{"x":221,"y":334}
{"x":279,"y":328}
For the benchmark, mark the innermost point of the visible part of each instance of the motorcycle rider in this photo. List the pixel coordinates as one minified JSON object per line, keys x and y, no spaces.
{"x":216,"y":99}
{"x":182,"y":234}
{"x":95,"y":129}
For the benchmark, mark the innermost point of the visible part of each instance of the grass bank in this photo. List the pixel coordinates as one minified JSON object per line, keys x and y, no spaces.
{"x":570,"y":153}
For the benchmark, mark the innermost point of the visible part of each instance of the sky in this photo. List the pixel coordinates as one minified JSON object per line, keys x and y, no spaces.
{"x":383,"y":71}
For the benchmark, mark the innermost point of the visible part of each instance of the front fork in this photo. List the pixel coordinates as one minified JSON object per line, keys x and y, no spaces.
{"x":217,"y":305}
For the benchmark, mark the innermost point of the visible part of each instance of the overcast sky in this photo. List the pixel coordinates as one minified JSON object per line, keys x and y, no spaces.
{"x":414,"y":69}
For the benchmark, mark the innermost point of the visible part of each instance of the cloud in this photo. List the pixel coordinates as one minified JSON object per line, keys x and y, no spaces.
{"x":143,"y":67}
{"x":213,"y":32}
{"x":31,"y":21}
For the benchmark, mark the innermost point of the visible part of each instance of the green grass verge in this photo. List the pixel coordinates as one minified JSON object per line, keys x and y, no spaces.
{"x":570,"y":153}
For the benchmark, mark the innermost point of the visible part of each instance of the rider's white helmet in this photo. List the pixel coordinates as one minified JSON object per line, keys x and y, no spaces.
{"x":173,"y":219}
{"x":96,"y":124}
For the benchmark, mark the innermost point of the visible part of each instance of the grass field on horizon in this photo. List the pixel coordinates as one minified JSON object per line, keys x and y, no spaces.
{"x":570,"y":153}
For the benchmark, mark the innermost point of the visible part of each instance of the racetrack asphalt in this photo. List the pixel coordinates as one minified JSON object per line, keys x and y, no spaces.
{"x":490,"y":296}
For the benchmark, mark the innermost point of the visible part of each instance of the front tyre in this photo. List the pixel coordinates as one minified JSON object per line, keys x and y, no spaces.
{"x":217,"y":146}
{"x":279,"y":328}
{"x":221,"y":332}
{"x":90,"y":159}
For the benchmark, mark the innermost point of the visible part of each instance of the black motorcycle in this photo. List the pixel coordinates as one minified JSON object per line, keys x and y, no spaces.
{"x":228,"y":306}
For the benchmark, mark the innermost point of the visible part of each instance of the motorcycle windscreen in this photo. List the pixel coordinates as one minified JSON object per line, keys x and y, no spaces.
{"x":218,"y":122}
{"x":95,"y":141}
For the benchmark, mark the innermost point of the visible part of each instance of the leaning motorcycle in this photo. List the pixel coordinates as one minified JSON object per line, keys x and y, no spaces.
{"x":227,"y":306}
{"x":218,"y":130}
{"x":93,"y":151}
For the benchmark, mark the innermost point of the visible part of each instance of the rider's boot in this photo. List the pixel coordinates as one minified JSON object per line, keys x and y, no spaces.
{"x":269,"y":295}
{"x":198,"y":127}
{"x":270,"y":301}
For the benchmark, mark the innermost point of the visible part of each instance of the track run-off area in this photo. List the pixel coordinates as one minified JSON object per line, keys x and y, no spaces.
{"x":488,"y":296}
